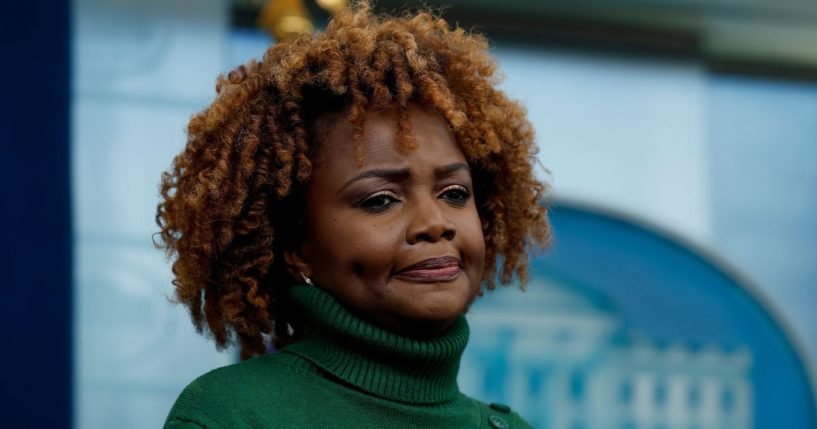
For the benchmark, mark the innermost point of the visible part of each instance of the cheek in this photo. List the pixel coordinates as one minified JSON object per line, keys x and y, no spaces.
{"x":474,"y":242}
{"x":355,"y":245}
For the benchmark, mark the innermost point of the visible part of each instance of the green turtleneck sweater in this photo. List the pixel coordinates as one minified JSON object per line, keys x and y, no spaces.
{"x":344,"y":373}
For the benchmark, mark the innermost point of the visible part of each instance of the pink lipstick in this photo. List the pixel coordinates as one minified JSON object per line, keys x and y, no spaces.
{"x":432,"y":270}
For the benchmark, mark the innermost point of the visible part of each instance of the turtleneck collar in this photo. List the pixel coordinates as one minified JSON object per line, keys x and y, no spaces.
{"x":376,"y":360}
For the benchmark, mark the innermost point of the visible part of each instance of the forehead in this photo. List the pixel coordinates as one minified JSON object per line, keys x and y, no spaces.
{"x":434,"y":141}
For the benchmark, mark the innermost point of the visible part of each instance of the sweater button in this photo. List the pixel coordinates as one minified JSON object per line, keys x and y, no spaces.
{"x":498,"y":422}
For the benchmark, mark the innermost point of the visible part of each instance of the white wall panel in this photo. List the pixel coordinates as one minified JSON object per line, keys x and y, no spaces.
{"x":621,"y":133}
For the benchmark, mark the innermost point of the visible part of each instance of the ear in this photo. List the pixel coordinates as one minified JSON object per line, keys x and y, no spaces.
{"x":296,"y":264}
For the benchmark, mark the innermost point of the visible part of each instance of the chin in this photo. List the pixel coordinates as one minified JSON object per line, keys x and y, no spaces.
{"x":435,"y":316}
{"x":430,"y":308}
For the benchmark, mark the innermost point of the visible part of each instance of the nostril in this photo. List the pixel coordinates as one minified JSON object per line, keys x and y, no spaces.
{"x":435,"y":233}
{"x":430,"y":224}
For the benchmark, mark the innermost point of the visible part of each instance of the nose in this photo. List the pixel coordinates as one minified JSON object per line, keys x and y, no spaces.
{"x":429,"y":223}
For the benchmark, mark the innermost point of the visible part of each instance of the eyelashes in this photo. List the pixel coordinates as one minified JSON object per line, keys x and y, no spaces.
{"x":456,"y":195}
{"x":379,"y":202}
{"x":382,"y":201}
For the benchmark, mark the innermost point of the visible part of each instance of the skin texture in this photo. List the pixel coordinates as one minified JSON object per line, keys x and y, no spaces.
{"x":363,"y":230}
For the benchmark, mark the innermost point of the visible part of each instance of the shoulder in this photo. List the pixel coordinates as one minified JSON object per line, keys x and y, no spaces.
{"x":236,"y":380}
{"x":217,"y":398}
{"x":501,"y":416}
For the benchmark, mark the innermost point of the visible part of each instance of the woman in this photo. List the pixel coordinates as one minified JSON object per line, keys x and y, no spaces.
{"x":344,"y":201}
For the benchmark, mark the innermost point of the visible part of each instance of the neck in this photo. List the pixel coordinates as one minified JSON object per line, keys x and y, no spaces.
{"x":377,"y":360}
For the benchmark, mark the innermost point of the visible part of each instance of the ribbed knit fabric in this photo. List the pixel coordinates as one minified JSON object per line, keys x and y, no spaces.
{"x":344,"y":373}
{"x":374,"y":359}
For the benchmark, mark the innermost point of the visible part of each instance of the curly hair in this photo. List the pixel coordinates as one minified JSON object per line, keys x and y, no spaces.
{"x":232,"y":198}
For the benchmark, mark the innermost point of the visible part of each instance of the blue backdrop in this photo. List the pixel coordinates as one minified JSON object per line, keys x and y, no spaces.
{"x":625,"y":326}
{"x":35,"y":255}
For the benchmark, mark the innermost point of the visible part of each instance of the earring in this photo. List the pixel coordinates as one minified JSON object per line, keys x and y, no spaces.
{"x":307,"y":280}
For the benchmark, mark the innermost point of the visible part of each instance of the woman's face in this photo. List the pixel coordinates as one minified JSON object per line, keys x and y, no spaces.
{"x":396,"y":237}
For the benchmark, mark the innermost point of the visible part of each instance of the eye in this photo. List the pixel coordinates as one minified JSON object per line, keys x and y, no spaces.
{"x":456,"y":195}
{"x":379,"y":202}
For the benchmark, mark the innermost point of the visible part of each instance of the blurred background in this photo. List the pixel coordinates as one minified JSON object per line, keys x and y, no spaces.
{"x":680,"y":138}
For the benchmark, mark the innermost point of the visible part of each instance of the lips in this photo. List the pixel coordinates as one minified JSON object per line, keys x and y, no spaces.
{"x":440,"y":269}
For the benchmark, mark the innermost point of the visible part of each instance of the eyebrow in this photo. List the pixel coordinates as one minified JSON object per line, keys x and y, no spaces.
{"x":400,"y":174}
{"x":449,"y":169}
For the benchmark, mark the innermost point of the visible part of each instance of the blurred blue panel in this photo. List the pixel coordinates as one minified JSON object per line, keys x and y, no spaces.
{"x":35,"y":212}
{"x":624,"y":326}
{"x":763,"y":168}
